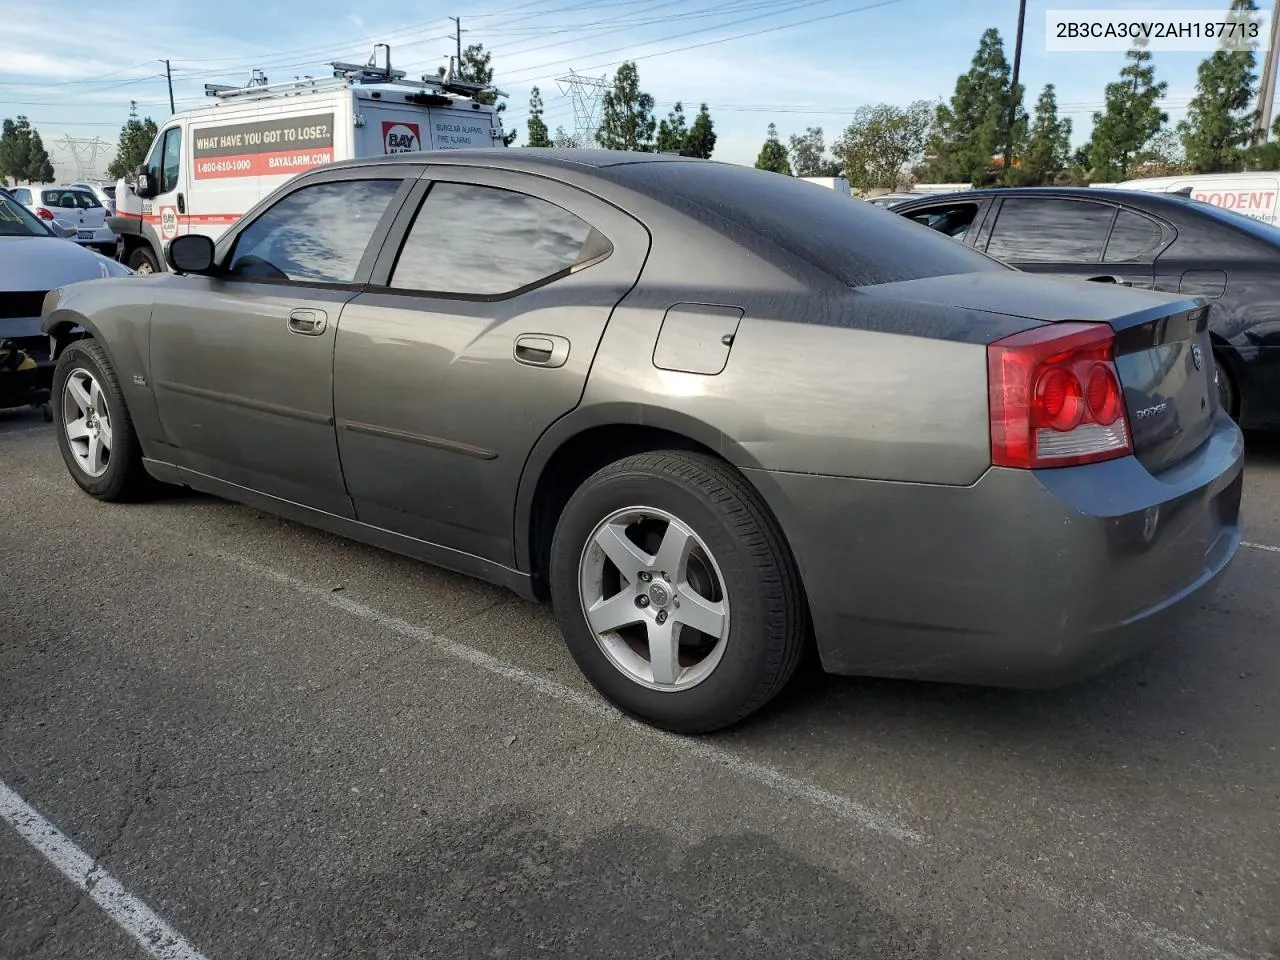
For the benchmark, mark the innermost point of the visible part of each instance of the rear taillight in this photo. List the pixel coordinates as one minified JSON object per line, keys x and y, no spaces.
{"x":44,"y":214}
{"x":1055,"y":396}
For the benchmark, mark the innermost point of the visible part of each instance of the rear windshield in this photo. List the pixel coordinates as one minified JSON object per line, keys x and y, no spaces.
{"x":860,"y":244}
{"x":17,"y":221}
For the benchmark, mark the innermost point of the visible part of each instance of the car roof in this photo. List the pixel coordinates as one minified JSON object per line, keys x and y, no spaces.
{"x":523,"y":158}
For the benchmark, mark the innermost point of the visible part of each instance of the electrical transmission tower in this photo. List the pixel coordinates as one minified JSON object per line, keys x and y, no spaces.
{"x":586,"y":93}
{"x":84,"y":154}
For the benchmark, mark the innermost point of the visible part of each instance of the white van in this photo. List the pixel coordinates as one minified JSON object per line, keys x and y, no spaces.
{"x":206,"y":167}
{"x":1255,"y":195}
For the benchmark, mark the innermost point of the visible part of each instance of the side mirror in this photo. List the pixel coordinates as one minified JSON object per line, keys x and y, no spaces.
{"x":142,"y":186}
{"x":190,"y":253}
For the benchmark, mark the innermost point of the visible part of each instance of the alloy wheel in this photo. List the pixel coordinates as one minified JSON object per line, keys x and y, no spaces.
{"x":654,"y":598}
{"x":87,"y":422}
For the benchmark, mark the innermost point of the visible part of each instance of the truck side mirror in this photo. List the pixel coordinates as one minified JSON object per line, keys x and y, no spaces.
{"x":142,"y":186}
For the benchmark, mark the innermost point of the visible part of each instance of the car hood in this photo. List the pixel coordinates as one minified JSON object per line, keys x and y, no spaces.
{"x":42,"y":263}
{"x":1034,"y":297}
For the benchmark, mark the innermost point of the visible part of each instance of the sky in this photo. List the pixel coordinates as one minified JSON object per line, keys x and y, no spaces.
{"x":796,"y":63}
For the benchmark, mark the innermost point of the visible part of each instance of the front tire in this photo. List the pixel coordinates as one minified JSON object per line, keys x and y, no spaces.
{"x":676,"y":592}
{"x":95,"y":433}
{"x":144,"y":261}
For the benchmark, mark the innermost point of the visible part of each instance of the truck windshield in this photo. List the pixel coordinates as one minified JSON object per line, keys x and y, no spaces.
{"x":17,"y":221}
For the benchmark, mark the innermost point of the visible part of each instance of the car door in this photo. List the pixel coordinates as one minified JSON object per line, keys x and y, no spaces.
{"x":1073,"y":238}
{"x":242,"y":362}
{"x":476,"y":334}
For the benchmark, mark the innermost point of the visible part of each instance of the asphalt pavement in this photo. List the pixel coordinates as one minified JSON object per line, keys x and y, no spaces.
{"x":258,"y":740}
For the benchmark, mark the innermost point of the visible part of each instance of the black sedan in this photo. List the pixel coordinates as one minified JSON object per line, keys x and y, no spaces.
{"x":1158,"y":241}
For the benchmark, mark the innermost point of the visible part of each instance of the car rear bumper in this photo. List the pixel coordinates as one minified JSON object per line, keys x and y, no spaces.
{"x":1024,"y":579}
{"x":95,"y":237}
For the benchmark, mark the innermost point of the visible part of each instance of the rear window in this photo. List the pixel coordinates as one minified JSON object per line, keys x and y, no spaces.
{"x":1255,"y":228}
{"x":859,"y":244}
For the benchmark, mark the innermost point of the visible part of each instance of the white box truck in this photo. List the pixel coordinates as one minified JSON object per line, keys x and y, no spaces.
{"x":208,"y":166}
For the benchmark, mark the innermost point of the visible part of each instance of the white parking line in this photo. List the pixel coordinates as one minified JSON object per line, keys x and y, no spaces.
{"x":1164,"y":941}
{"x":132,"y":915}
{"x":1260,"y":546}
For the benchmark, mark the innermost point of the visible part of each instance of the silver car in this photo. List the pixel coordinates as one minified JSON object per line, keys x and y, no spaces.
{"x":716,"y":416}
{"x":77,"y":207}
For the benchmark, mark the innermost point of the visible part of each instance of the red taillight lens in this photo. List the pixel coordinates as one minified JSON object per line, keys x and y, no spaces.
{"x":1055,"y":397}
{"x":44,"y":214}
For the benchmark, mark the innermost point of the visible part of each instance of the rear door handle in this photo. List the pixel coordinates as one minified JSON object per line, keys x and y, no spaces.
{"x":309,"y":323}
{"x":541,"y":350}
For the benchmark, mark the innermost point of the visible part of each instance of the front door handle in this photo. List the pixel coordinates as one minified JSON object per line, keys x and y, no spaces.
{"x":309,"y":323}
{"x":541,"y":350}
{"x":1111,"y":278}
{"x":182,"y":204}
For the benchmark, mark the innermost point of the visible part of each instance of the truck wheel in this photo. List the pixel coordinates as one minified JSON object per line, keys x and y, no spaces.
{"x":676,"y":591}
{"x":95,"y":434}
{"x":143,"y":261}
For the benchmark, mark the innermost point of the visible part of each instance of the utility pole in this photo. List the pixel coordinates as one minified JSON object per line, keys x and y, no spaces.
{"x":457,"y":33}
{"x":169,"y":74}
{"x":1013,"y":88}
{"x":1267,"y":84}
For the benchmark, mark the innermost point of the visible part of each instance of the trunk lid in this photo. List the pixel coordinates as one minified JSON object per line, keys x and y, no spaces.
{"x":1162,"y":349}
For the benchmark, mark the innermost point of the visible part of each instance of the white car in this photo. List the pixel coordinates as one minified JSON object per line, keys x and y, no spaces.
{"x":104,"y":190}
{"x":77,"y":207}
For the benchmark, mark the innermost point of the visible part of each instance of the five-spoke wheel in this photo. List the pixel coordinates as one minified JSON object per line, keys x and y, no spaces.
{"x":86,"y":421}
{"x":676,"y":592}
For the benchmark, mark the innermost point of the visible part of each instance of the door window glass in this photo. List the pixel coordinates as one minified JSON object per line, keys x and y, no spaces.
{"x":954,"y":220}
{"x":1132,"y":238}
{"x":314,"y":235}
{"x":171,"y":160}
{"x":482,"y":241}
{"x":1050,"y":231}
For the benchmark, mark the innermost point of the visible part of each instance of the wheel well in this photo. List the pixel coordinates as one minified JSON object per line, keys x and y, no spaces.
{"x":578,"y":458}
{"x":63,"y":334}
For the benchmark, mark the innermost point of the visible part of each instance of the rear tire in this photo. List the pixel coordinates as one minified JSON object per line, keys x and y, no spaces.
{"x":694,"y":519}
{"x":95,"y":433}
{"x":144,"y":261}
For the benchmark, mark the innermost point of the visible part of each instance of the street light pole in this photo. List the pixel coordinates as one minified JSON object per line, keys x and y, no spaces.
{"x":1013,"y":101}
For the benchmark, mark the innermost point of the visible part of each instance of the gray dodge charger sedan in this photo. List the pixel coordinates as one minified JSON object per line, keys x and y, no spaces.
{"x":715,"y":415}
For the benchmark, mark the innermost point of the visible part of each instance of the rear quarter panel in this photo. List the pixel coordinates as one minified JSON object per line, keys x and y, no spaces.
{"x":117,"y":313}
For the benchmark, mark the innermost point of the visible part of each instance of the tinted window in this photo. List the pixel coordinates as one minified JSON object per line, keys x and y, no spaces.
{"x":17,"y":221}
{"x":483,"y":241}
{"x":953,"y":220}
{"x":317,"y":234}
{"x":1050,"y":231}
{"x":1132,"y":238}
{"x":171,"y":159}
{"x":766,"y":213}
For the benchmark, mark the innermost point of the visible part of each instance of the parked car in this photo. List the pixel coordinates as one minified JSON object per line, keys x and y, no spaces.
{"x":714,"y":414}
{"x":34,"y":260}
{"x":104,"y":190}
{"x":1157,"y":241}
{"x":77,"y":207}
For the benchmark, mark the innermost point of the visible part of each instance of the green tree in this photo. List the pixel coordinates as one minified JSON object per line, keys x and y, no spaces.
{"x":974,"y":127}
{"x":1049,"y":142}
{"x":1265,"y":156}
{"x":627,"y":122}
{"x":882,"y":143}
{"x":1219,"y":118}
{"x":773,"y":155}
{"x":1132,"y":117}
{"x":564,"y":140}
{"x":476,"y":67}
{"x":673,"y":132}
{"x":702,"y":135}
{"x":538,"y":136}
{"x":136,"y":137}
{"x":22,"y":153}
{"x":809,"y":155}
